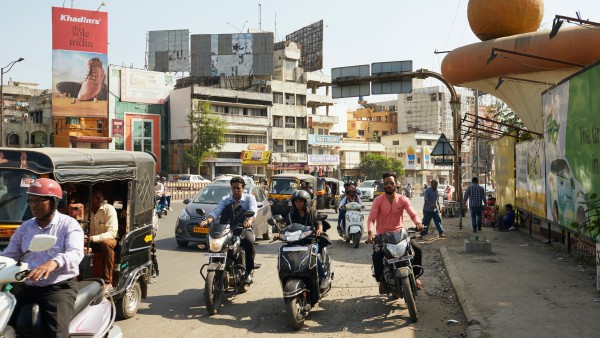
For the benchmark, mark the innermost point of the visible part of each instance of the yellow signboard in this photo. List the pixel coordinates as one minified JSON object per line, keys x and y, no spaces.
{"x":256,"y":156}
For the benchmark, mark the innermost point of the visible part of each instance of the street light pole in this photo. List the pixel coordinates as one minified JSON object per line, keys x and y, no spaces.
{"x":9,"y":66}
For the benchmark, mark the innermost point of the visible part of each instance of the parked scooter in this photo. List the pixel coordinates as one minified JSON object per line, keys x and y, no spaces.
{"x":353,"y":229}
{"x":94,"y":314}
{"x":398,"y":274}
{"x":226,"y":264}
{"x":298,"y":273}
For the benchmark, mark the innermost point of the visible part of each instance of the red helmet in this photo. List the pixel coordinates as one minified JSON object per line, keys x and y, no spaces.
{"x":351,"y":189}
{"x":45,"y":187}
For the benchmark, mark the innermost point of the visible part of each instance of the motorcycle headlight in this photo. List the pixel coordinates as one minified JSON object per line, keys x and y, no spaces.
{"x":270,"y":202}
{"x":7,"y":305}
{"x":397,"y":250}
{"x":289,"y":203}
{"x":216,"y":244}
{"x":183,"y":215}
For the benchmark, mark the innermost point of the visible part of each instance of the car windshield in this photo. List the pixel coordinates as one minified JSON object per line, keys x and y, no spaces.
{"x":284,"y":186}
{"x":184,"y":177}
{"x":366,"y":184}
{"x":212,"y":194}
{"x":13,"y":196}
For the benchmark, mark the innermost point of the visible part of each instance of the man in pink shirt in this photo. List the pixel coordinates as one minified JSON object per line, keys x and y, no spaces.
{"x":387,"y":215}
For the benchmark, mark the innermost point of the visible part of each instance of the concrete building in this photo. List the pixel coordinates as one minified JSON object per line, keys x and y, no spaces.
{"x":351,"y":151}
{"x":27,"y":115}
{"x":372,"y":121}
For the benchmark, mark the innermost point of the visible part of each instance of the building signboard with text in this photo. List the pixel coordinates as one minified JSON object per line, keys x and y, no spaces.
{"x":324,"y":140}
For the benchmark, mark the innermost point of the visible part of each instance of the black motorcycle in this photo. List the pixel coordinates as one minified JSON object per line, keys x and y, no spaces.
{"x":226,"y":265}
{"x":398,"y":270}
{"x":298,"y":273}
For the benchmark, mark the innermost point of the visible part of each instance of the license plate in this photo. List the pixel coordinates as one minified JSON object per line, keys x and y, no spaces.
{"x":216,"y":254}
{"x":295,"y":248}
{"x":201,"y":230}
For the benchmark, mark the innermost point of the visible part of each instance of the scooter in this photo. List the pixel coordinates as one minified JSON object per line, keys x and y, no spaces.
{"x":94,"y":314}
{"x":161,"y":208}
{"x":354,"y":224}
{"x":298,"y":273}
{"x":226,"y":265}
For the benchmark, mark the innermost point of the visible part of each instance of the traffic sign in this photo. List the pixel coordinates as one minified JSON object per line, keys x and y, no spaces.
{"x":354,"y":89}
{"x":386,"y":77}
{"x":443,"y":147}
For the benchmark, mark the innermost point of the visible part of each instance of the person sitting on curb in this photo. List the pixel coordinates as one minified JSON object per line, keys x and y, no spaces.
{"x":507,"y":222}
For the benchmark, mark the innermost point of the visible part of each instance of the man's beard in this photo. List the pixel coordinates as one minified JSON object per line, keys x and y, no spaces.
{"x":390,"y":191}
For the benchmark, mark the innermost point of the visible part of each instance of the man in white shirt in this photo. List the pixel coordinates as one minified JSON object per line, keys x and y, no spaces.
{"x":103,"y":231}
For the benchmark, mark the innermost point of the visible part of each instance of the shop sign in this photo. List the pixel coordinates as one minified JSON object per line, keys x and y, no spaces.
{"x":323,"y":140}
{"x":323,"y":160}
{"x":255,"y":157}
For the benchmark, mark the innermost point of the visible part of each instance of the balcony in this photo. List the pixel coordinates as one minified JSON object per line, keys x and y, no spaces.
{"x":316,"y":100}
{"x":323,"y":119}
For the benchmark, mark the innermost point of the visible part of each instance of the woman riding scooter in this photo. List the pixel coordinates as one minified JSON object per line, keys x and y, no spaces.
{"x":351,"y":196}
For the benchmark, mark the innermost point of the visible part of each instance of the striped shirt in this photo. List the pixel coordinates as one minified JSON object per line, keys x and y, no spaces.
{"x":476,"y":195}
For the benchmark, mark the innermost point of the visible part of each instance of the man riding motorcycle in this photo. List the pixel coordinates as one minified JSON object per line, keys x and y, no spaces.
{"x":51,"y":281}
{"x":231,"y":210}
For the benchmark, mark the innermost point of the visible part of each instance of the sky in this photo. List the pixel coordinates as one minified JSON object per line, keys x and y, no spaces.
{"x":355,"y":32}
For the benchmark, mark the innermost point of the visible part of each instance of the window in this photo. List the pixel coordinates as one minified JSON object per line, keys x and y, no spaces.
{"x":301,"y":100}
{"x":395,"y":143}
{"x":277,"y":97}
{"x":428,"y":143}
{"x":301,"y":122}
{"x":361,"y":132}
{"x":72,"y":120}
{"x":302,"y":146}
{"x":278,"y":121}
{"x":434,"y":97}
{"x":36,"y":117}
{"x":142,"y":135}
{"x":99,"y":126}
{"x":290,"y":146}
{"x":238,"y":138}
{"x":289,"y":65}
{"x":418,"y":160}
{"x":289,"y":122}
{"x":409,"y":98}
{"x":290,"y":99}
{"x":384,"y":132}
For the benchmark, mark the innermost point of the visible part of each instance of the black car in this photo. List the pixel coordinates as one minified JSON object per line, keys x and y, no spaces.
{"x":187,"y":228}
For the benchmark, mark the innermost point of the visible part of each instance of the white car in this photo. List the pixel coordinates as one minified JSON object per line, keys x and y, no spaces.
{"x":368,"y":189}
{"x":192,"y":178}
{"x":441,"y":189}
{"x":226,"y":178}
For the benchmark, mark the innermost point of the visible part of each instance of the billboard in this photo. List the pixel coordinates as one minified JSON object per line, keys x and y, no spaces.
{"x":79,"y":63}
{"x":144,"y":86}
{"x":255,"y":156}
{"x":531,"y":182}
{"x":310,"y":39}
{"x":232,"y":54}
{"x":324,"y":140}
{"x":169,"y":50}
{"x":411,"y":158}
{"x":571,"y":140}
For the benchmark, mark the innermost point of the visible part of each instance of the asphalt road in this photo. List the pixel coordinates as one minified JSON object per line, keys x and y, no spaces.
{"x":175,"y":303}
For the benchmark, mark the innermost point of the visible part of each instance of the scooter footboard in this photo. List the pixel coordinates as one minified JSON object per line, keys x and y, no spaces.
{"x":293,"y":287}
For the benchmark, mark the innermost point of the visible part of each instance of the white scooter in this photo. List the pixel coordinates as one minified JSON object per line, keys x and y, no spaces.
{"x":354,"y":224}
{"x":94,"y":314}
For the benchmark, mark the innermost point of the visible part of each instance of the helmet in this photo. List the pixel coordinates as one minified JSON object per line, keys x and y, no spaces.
{"x":351,"y":188}
{"x":301,"y":194}
{"x":157,"y":177}
{"x":163,"y":178}
{"x":45,"y":187}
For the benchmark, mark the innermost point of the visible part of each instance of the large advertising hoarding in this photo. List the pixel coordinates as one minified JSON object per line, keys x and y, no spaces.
{"x":531,"y":182}
{"x":572,"y":141}
{"x":169,"y":50}
{"x":311,"y":40}
{"x":411,"y":158}
{"x":144,"y":86}
{"x":504,"y":157}
{"x":79,"y":63}
{"x":232,"y":54}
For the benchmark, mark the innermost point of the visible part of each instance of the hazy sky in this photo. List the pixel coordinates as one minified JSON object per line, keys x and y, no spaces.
{"x":356,"y":32}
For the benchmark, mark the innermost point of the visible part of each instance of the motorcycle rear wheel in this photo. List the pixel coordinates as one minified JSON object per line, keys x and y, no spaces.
{"x":409,"y":298}
{"x":294,"y":310}
{"x":356,"y":239}
{"x":213,"y":292}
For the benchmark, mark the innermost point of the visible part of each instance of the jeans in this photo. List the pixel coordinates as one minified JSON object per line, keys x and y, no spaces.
{"x":247,"y":242}
{"x":437,"y":220}
{"x":342,"y":218}
{"x":476,"y":217}
{"x":320,"y":267}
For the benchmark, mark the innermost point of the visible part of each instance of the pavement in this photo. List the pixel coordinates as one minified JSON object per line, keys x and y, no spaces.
{"x":524,"y":288}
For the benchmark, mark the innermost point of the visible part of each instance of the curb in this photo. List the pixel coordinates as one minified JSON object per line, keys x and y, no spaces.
{"x":474,"y":330}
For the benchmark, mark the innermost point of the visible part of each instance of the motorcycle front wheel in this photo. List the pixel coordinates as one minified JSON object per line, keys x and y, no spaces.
{"x":409,"y":298}
{"x":295,"y":311}
{"x":213,"y":292}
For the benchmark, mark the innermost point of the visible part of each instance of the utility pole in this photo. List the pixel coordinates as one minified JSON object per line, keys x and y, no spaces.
{"x":2,"y":72}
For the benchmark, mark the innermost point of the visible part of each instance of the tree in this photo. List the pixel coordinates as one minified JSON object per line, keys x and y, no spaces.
{"x":207,"y":134}
{"x":373,"y":166}
{"x":502,"y":113}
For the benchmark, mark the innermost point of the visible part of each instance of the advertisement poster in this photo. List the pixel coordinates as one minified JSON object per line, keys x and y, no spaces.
{"x":118,"y":128}
{"x":531,"y":183}
{"x":411,"y":160}
{"x":427,"y":158}
{"x":79,"y":63}
{"x":505,"y":179}
{"x":144,"y":86}
{"x":255,"y":156}
{"x":572,"y":140}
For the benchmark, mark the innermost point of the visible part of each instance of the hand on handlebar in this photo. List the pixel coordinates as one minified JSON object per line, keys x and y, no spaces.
{"x":369,"y":238}
{"x":420,"y":226}
{"x":43,"y":271}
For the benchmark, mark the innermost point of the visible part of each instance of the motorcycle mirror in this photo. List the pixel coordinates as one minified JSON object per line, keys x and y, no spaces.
{"x":271,"y":221}
{"x":278,"y":218}
{"x":321,"y":216}
{"x":249,"y":213}
{"x":186,"y":201}
{"x":38,"y":243}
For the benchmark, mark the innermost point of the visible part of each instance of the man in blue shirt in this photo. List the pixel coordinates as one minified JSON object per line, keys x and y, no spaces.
{"x":507,"y":222}
{"x":51,"y":281}
{"x":431,"y":210}
{"x":234,"y":206}
{"x":476,"y":196}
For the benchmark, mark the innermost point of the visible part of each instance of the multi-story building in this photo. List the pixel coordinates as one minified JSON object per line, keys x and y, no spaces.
{"x":351,"y":152}
{"x":27,"y":116}
{"x":372,"y":121}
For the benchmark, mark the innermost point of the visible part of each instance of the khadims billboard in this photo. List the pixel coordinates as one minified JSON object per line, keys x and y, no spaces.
{"x":79,"y":63}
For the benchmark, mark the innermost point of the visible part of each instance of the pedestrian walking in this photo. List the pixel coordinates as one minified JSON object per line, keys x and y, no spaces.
{"x":476,"y":196}
{"x":431,"y":210}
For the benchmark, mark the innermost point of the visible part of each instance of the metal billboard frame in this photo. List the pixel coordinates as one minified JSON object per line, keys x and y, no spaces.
{"x":310,"y":39}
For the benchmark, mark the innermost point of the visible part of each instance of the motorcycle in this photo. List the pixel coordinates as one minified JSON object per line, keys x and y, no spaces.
{"x":354,"y":224}
{"x":298,"y":273}
{"x":226,"y":265}
{"x":161,"y":208}
{"x":94,"y":314}
{"x":407,"y":192}
{"x":398,"y":270}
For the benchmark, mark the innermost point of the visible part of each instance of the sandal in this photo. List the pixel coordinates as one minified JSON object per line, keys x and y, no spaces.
{"x":420,"y":285}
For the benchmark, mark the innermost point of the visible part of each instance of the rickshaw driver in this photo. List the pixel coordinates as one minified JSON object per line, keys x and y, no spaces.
{"x":51,"y":281}
{"x":236,"y":204}
{"x":103,"y":231}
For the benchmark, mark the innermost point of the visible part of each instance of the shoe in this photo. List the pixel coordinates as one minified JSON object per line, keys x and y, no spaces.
{"x":108,"y":289}
{"x":478,"y":229}
{"x":92,"y":84}
{"x":442,"y":236}
{"x":512,"y":229}
{"x":421,"y":238}
{"x":419,"y":284}
{"x":169,"y":208}
{"x":323,"y":283}
{"x":382,"y":288}
{"x":248,"y":279}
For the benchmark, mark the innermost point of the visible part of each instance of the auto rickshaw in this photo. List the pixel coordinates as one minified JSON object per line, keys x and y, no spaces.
{"x":321,"y":193}
{"x":127,"y":181}
{"x":281,"y":188}
{"x":332,"y":201}
{"x":379,"y":189}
